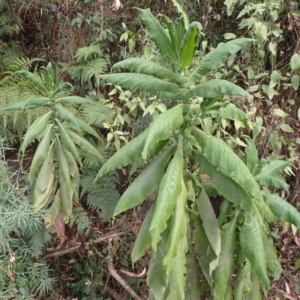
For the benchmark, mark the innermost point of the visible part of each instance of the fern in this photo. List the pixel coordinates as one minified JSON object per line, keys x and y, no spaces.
{"x":98,"y":114}
{"x":103,"y":194}
{"x":81,"y":219}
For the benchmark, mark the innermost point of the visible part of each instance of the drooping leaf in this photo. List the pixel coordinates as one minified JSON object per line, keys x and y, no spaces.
{"x":143,"y":240}
{"x":63,"y":86}
{"x":126,"y":155}
{"x":283,"y":210}
{"x":252,"y":156}
{"x":273,"y":264}
{"x":67,"y":142}
{"x":215,"y":58}
{"x":74,"y":100}
{"x":215,"y":88}
{"x":40,"y":153}
{"x":53,"y":210}
{"x":183,"y":13}
{"x":231,"y":112}
{"x":75,"y":177}
{"x":36,"y":128}
{"x":87,"y":128}
{"x":189,"y":44}
{"x":146,"y":183}
{"x":148,"y":67}
{"x":169,"y":190}
{"x":210,"y":225}
{"x":84,"y":144}
{"x":163,"y":127}
{"x":142,"y":83}
{"x":44,"y":184}
{"x":221,"y":156}
{"x":255,"y":288}
{"x":157,"y":33}
{"x":252,"y":244}
{"x":178,"y":235}
{"x":35,"y":79}
{"x":271,"y":174}
{"x":30,"y":103}
{"x":177,"y":278}
{"x":223,"y":272}
{"x":66,"y":115}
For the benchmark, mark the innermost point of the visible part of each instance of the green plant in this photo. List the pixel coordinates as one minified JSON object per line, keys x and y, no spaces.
{"x":59,"y":134}
{"x":189,"y":167}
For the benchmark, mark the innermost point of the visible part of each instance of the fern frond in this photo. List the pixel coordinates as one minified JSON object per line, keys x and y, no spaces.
{"x":95,"y":68}
{"x":81,"y":219}
{"x":103,"y":195}
{"x":98,"y":114}
{"x":87,"y":53}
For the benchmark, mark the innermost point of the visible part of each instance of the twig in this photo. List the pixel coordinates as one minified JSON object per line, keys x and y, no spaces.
{"x":84,"y":245}
{"x":113,"y":293}
{"x":115,"y":275}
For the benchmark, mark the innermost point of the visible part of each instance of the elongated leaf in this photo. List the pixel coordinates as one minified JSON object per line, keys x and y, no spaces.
{"x":215,"y":88}
{"x":146,"y":183}
{"x":255,"y":289}
{"x":252,"y":156}
{"x":148,"y":67}
{"x":173,"y":35}
{"x":178,"y":236}
{"x":282,"y":209}
{"x":36,"y":128}
{"x":143,"y":240}
{"x":273,"y":264}
{"x":225,"y":185}
{"x":87,"y":128}
{"x":158,"y":34}
{"x":210,"y":225}
{"x":53,"y":211}
{"x":183,"y":14}
{"x":63,"y":86}
{"x":66,"y":115}
{"x":66,"y":200}
{"x":222,"y":274}
{"x":67,"y":142}
{"x":221,"y":156}
{"x":44,"y":184}
{"x":169,"y":191}
{"x":270,"y":174}
{"x":142,"y":83}
{"x":231,"y":112}
{"x":156,"y":277}
{"x":163,"y":127}
{"x":126,"y":155}
{"x":189,"y":44}
{"x":30,"y":103}
{"x":178,"y":273}
{"x":252,"y":243}
{"x":36,"y":80}
{"x":40,"y":153}
{"x":218,"y":56}
{"x":243,"y":279}
{"x":84,"y":144}
{"x":75,"y":177}
{"x":74,"y":100}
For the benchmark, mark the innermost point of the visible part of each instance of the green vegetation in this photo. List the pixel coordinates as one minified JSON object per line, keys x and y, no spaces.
{"x":180,"y":155}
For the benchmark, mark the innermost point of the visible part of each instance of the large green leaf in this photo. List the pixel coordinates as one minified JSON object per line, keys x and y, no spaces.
{"x":169,"y":190}
{"x":231,"y":112}
{"x":283,"y":210}
{"x":74,"y":100}
{"x":53,"y":210}
{"x":35,"y":79}
{"x":215,"y":58}
{"x":210,"y":225}
{"x":273,"y":264}
{"x":66,"y":115}
{"x":126,"y":155}
{"x":75,"y":176}
{"x":30,"y":103}
{"x":178,"y":235}
{"x":222,"y":274}
{"x":142,"y":83}
{"x":163,"y":127}
{"x":84,"y":144}
{"x":221,"y":156}
{"x":146,"y":183}
{"x":36,"y":128}
{"x":189,"y":44}
{"x":40,"y":153}
{"x":156,"y":277}
{"x":158,"y":34}
{"x":183,"y":13}
{"x":45,"y":183}
{"x":271,"y":174}
{"x":148,"y":67}
{"x":62,"y":87}
{"x":252,"y":156}
{"x":177,"y":278}
{"x":252,"y":242}
{"x":87,"y":128}
{"x":215,"y":88}
{"x":173,"y":34}
{"x":143,"y":240}
{"x":255,"y":289}
{"x":224,"y":185}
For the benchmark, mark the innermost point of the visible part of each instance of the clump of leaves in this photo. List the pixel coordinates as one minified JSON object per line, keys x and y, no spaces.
{"x":189,"y":166}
